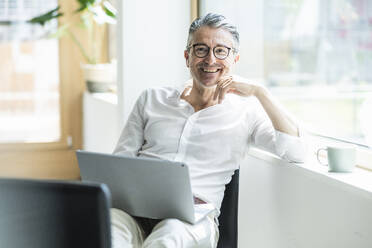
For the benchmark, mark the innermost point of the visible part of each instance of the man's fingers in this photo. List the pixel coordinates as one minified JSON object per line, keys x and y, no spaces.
{"x":221,"y":96}
{"x":216,"y":92}
{"x":224,"y":89}
{"x":218,"y":88}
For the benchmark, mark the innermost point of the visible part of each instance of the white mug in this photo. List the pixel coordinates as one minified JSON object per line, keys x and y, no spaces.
{"x":340,"y":159}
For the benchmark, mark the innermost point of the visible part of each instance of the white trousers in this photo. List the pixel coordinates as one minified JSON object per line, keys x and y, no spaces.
{"x":168,"y":233}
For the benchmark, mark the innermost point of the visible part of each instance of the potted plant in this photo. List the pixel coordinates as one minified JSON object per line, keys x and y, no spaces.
{"x":92,"y":15}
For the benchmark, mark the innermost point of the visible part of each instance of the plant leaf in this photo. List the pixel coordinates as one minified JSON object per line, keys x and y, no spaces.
{"x":50,"y":15}
{"x":109,"y":9}
{"x":84,"y":4}
{"x":100,"y":15}
{"x":81,"y":8}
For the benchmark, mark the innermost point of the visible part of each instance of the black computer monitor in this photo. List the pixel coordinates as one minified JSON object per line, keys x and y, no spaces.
{"x":58,"y":214}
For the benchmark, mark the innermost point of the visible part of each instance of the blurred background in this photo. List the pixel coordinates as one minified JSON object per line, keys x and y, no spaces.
{"x":315,"y":56}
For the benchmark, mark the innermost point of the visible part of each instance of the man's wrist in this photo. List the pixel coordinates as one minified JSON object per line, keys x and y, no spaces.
{"x":260,"y":92}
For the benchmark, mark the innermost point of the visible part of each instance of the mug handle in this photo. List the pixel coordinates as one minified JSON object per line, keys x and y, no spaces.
{"x":317,"y":156}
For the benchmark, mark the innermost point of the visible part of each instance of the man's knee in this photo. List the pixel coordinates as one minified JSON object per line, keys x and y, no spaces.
{"x":173,"y":224}
{"x":124,"y":229}
{"x":117,"y":214}
{"x":166,"y":234}
{"x":119,"y":217}
{"x":164,"y":242}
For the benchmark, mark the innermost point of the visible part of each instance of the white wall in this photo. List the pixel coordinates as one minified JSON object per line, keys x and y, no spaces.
{"x":100,"y":122}
{"x":152,"y":38}
{"x":286,"y":206}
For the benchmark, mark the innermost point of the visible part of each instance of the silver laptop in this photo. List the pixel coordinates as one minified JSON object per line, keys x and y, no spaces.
{"x":151,"y":188}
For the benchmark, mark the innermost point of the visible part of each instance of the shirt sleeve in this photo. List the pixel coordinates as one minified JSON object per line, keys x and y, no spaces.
{"x":132,"y":136}
{"x":288,"y":147}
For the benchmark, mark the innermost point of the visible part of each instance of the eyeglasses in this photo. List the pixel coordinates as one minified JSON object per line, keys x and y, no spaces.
{"x":220,"y":51}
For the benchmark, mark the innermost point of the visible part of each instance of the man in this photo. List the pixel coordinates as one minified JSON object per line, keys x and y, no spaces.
{"x":208,"y":125}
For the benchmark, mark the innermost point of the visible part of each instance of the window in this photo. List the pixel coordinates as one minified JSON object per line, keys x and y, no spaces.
{"x":29,"y":74}
{"x":315,"y":56}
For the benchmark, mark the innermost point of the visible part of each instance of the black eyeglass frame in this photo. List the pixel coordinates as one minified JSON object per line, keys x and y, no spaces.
{"x":209,"y":49}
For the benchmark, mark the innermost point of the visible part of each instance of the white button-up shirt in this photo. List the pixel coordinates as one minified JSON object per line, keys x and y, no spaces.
{"x":211,"y":142}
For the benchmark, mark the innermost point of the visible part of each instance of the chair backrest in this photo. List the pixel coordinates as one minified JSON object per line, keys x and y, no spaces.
{"x":44,"y":214}
{"x":228,"y":218}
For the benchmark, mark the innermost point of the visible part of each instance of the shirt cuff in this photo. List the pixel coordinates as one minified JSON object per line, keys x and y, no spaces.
{"x":291,"y":148}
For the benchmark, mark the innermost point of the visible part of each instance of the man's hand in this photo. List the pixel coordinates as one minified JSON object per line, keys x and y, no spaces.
{"x":278,"y":116}
{"x":228,"y":85}
{"x":198,"y":200}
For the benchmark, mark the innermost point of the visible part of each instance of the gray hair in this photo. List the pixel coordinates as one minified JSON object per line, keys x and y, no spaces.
{"x":213,"y":21}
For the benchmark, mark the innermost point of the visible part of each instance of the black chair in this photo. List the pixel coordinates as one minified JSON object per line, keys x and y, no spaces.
{"x":228,"y":218}
{"x":58,"y":214}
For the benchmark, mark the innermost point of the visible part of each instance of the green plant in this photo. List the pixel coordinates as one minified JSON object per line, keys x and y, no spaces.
{"x":92,"y":13}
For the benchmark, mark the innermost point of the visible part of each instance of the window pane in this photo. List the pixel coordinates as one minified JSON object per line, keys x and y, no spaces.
{"x":315,"y":56}
{"x":29,"y":88}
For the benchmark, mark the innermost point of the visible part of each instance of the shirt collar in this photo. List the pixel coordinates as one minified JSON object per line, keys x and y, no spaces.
{"x":179,"y":90}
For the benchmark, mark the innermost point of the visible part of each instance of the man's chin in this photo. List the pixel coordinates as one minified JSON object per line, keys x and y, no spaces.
{"x":208,"y":84}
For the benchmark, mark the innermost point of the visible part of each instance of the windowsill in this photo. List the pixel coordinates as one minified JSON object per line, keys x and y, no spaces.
{"x":107,"y":97}
{"x":359,"y":180}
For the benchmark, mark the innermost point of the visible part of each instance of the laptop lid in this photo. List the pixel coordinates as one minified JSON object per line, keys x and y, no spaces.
{"x":144,"y":187}
{"x":58,"y":214}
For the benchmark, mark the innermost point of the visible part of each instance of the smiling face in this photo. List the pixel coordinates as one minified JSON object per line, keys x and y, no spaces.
{"x":208,"y":70}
